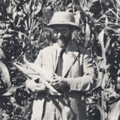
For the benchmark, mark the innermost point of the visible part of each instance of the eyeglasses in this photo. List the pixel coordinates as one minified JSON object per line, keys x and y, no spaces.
{"x":63,"y":30}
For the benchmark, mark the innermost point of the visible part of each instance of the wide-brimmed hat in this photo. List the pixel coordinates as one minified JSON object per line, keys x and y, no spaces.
{"x":63,"y":18}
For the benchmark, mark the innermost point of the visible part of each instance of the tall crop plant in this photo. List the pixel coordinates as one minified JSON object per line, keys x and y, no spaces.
{"x":103,"y":19}
{"x":23,"y":32}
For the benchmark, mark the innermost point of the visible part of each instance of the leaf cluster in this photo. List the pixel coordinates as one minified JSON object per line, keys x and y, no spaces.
{"x":24,"y":31}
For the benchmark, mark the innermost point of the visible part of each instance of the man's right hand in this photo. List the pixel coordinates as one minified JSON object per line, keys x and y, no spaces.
{"x":35,"y":87}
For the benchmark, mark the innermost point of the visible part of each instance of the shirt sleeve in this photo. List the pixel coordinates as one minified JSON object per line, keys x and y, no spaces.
{"x":42,"y":63}
{"x":87,"y":81}
{"x":38,"y":60}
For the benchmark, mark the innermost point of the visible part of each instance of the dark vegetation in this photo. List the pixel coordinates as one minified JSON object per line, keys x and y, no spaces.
{"x":24,"y":31}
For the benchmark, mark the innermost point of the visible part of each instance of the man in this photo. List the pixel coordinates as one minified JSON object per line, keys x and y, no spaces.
{"x":69,"y":70}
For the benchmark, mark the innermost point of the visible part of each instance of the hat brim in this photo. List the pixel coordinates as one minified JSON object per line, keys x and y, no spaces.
{"x":63,"y":23}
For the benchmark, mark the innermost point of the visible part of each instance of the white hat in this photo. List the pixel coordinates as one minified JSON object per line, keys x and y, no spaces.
{"x":63,"y":18}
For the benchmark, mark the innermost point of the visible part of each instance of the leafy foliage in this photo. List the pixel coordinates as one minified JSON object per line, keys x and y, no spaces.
{"x":24,"y":31}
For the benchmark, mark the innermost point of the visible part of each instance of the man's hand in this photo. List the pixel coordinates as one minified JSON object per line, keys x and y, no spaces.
{"x":59,"y":82}
{"x":35,"y":87}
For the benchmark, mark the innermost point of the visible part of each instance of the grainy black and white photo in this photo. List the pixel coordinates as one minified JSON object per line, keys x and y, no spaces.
{"x":59,"y":59}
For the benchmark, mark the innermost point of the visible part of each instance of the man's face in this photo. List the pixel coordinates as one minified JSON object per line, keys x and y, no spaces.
{"x":62,"y":34}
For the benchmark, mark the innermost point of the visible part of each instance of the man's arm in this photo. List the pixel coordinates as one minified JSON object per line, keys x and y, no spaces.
{"x":32,"y":85}
{"x":87,"y":81}
{"x":83,"y":83}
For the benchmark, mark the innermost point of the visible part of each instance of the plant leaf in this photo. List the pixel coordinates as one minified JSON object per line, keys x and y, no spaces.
{"x":77,"y":16}
{"x":2,"y":31}
{"x":87,"y":34}
{"x":5,"y":75}
{"x":7,"y":36}
{"x":101,"y":40}
{"x":12,"y":90}
{"x":32,"y":73}
{"x":106,"y":21}
{"x":2,"y":55}
{"x":105,"y":80}
{"x":118,"y":2}
{"x":107,"y":44}
{"x":114,"y":111}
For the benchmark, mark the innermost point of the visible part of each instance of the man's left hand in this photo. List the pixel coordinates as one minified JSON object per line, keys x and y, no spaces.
{"x":59,"y":82}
